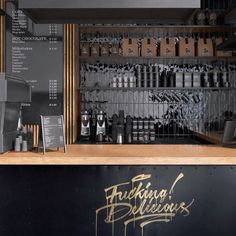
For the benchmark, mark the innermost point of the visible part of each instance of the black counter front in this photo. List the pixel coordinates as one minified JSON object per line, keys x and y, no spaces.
{"x":117,"y":200}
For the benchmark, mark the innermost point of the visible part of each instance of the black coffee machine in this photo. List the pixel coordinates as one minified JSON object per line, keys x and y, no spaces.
{"x":100,"y":126}
{"x":13,"y":92}
{"x":85,"y":126}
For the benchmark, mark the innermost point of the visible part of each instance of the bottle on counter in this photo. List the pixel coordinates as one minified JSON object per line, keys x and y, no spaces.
{"x":196,"y":79}
{"x":225,"y":79}
{"x":114,"y":82}
{"x":164,"y":78}
{"x":156,"y":83}
{"x":207,"y":83}
{"x":171,"y":79}
{"x":140,"y":123}
{"x":135,"y":124}
{"x":151,"y":124}
{"x":139,"y":76}
{"x":179,"y":78}
{"x":146,"y":123}
{"x":126,"y":81}
{"x":132,"y":81}
{"x":215,"y":79}
{"x":150,"y":76}
{"x":188,"y":79}
{"x":144,"y":76}
{"x":128,"y":130}
{"x":120,"y":81}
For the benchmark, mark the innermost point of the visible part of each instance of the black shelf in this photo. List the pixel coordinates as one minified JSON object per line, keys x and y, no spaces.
{"x":154,"y":89}
{"x":152,"y":29}
{"x":124,"y":60}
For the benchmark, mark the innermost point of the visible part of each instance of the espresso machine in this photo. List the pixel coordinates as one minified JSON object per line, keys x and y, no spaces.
{"x":13,"y":92}
{"x":100,"y":126}
{"x":85,"y":126}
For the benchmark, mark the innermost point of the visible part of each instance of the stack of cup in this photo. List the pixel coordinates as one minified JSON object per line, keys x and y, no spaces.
{"x":17,"y":145}
{"x":24,"y":146}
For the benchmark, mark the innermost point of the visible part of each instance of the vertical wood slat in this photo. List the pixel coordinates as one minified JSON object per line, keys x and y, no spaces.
{"x":75,"y":80}
{"x":70,"y":77}
{"x":70,"y":83}
{"x":2,"y":38}
{"x":66,"y":108}
{"x":35,"y":129}
{"x":65,"y":78}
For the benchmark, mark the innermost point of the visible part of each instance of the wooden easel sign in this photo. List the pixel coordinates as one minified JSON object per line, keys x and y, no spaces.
{"x":53,"y":132}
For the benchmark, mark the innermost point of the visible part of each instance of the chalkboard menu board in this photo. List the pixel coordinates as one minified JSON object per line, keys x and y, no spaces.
{"x":34,"y":52}
{"x":53,"y":132}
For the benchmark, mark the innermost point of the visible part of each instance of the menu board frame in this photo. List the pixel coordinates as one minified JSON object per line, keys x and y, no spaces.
{"x":34,"y":52}
{"x":59,"y":128}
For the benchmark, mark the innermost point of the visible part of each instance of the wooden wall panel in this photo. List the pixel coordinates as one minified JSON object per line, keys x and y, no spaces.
{"x":2,"y":38}
{"x":35,"y":129}
{"x":70,"y":81}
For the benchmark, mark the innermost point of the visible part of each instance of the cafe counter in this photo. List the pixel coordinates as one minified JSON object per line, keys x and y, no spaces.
{"x":126,"y":155}
{"x":109,"y":190}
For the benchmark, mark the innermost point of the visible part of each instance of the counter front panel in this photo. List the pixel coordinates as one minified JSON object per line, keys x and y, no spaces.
{"x":117,"y":200}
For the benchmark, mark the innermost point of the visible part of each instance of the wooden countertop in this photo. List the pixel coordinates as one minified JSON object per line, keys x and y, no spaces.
{"x":126,"y":155}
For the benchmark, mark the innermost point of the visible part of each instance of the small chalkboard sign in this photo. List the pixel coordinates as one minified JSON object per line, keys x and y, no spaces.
{"x":53,"y":133}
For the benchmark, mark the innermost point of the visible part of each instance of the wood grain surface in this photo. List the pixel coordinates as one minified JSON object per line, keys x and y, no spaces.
{"x":126,"y":155}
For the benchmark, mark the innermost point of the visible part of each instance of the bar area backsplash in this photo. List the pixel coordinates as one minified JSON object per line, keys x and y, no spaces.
{"x":174,"y":76}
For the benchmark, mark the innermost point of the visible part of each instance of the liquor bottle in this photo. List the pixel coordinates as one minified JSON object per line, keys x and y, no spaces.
{"x":150,"y":76}
{"x":156,"y":83}
{"x":164,"y":78}
{"x":144,"y":76}
{"x":225,"y":79}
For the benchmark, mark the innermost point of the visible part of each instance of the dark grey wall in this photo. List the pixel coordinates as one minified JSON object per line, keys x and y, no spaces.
{"x":109,"y":4}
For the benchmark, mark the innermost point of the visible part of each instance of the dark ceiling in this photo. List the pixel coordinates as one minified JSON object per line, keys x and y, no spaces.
{"x":108,"y":11}
{"x":109,"y":15}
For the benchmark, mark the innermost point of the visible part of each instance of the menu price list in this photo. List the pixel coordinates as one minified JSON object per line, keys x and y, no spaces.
{"x":35,"y":54}
{"x":53,"y":131}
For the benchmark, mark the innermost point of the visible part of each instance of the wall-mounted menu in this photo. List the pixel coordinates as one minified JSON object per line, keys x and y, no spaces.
{"x":35,"y":54}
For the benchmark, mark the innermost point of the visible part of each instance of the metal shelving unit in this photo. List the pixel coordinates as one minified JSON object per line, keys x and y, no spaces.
{"x":123,"y":60}
{"x":153,"y":29}
{"x":155,"y":89}
{"x":176,"y":111}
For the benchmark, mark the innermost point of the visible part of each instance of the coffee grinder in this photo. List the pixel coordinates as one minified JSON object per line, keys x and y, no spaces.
{"x":100,"y":126}
{"x":85,"y":126}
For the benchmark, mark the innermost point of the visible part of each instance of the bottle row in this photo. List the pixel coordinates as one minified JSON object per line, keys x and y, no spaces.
{"x":170,"y":79}
{"x":120,"y":130}
{"x":153,"y":47}
{"x":207,"y":17}
{"x":156,"y":76}
{"x":95,"y":127}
